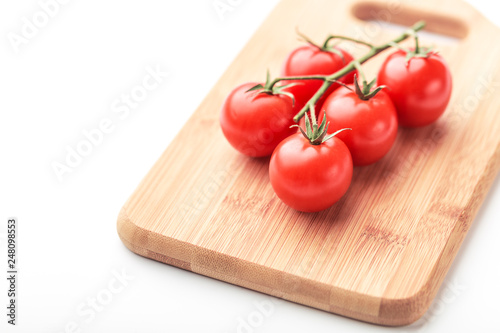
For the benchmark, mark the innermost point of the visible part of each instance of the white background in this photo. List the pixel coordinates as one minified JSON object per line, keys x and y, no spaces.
{"x":64,"y":80}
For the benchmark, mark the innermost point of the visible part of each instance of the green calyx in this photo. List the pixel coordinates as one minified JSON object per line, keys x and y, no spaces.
{"x":365,"y":91}
{"x":421,"y":52}
{"x":314,"y":133}
{"x":270,"y":88}
{"x":417,"y":52}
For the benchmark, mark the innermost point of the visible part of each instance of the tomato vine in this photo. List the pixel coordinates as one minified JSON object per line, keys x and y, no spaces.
{"x":328,"y":80}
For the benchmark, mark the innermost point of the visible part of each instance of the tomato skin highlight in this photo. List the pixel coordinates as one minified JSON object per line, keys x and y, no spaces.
{"x":310,"y":178}
{"x":255,"y":123}
{"x":420,"y":89}
{"x":310,"y":60}
{"x":373,"y":122}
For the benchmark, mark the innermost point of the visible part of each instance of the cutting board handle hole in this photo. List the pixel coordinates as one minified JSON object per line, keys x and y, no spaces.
{"x":398,"y":17}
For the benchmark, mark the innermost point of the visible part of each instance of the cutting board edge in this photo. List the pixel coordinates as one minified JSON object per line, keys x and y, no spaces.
{"x":206,"y":262}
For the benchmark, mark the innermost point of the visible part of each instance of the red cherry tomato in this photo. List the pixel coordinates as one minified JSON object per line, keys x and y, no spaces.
{"x":373,"y":122}
{"x":308,"y":177}
{"x":311,"y":60}
{"x":419,"y":88}
{"x":255,"y":123}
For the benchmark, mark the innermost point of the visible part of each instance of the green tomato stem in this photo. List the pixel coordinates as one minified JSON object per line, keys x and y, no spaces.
{"x":357,"y":65}
{"x":329,"y":38}
{"x":329,"y":80}
{"x":313,"y":116}
{"x":289,"y":78}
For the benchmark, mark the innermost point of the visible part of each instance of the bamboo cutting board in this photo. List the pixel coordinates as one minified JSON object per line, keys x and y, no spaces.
{"x":381,"y":253}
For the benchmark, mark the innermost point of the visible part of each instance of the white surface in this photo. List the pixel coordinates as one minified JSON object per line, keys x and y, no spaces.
{"x":65,"y":80}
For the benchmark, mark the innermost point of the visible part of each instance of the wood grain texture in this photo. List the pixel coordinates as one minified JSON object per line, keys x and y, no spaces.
{"x":381,"y":253}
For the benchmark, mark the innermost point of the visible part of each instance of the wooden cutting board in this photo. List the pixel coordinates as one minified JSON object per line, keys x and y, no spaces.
{"x":381,"y":253}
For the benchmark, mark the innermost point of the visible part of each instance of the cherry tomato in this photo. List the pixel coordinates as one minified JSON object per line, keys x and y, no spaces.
{"x":309,"y":177}
{"x":419,"y":88}
{"x":373,"y":122}
{"x":255,"y":123}
{"x":311,"y":60}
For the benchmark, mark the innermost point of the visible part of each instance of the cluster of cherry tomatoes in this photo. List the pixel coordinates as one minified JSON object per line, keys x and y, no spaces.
{"x":348,"y":124}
